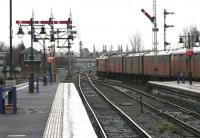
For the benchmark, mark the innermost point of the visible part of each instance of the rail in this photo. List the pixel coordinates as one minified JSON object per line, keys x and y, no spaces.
{"x":102,"y":132}
{"x":164,"y":114}
{"x":136,"y":127}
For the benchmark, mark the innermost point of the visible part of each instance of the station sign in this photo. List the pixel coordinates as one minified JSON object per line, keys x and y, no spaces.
{"x":50,"y":59}
{"x":10,"y":83}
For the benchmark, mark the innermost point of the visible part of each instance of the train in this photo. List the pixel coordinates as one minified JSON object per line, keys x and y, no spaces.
{"x":162,"y":65}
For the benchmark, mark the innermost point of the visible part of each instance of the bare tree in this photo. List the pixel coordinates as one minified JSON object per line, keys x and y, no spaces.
{"x":17,"y":57}
{"x":3,"y":47}
{"x":136,"y":42}
{"x":193,"y":30}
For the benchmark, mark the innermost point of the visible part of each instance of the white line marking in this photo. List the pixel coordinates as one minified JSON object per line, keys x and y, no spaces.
{"x":14,"y":136}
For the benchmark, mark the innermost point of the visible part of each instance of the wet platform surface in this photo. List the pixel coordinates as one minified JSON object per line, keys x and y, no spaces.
{"x":193,"y":88}
{"x":33,"y":111}
{"x":68,"y":117}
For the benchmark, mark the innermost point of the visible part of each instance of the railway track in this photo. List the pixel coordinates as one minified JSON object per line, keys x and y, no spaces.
{"x":183,"y":117}
{"x":112,"y":122}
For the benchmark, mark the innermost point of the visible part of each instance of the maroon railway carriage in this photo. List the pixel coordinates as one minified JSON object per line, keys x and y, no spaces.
{"x":133,"y":65}
{"x":115,"y":65}
{"x":163,"y":65}
{"x":196,"y":63}
{"x":111,"y":64}
{"x":180,"y":62}
{"x":102,"y":64}
{"x":127,"y":64}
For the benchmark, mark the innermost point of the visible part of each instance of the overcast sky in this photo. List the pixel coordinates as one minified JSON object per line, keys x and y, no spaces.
{"x":109,"y":22}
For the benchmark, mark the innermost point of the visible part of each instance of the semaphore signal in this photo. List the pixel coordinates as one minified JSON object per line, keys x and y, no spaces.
{"x":41,"y":22}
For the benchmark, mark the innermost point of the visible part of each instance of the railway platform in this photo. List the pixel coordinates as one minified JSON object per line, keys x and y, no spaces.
{"x":68,"y":117}
{"x":55,"y":112}
{"x":32,"y":113}
{"x":186,"y":88}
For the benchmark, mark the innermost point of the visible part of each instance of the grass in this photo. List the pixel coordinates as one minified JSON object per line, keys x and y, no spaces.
{"x":165,"y":126}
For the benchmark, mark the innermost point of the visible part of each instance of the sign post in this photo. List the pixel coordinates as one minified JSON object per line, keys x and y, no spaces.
{"x":10,"y":83}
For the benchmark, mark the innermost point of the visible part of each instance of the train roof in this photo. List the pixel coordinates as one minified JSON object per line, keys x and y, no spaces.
{"x":159,"y":53}
{"x":175,"y":51}
{"x":184,"y":50}
{"x":196,"y":49}
{"x":134,"y":54}
{"x":118,"y":55}
{"x":106,"y":55}
{"x":179,"y":51}
{"x":102,"y":57}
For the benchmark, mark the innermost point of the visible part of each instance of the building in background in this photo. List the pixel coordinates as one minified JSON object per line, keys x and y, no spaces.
{"x":3,"y":56}
{"x":25,"y":57}
{"x":87,"y":59}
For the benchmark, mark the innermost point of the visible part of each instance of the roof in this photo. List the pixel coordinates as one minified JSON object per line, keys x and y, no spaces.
{"x":119,"y":55}
{"x":3,"y":53}
{"x":184,"y":50}
{"x":134,"y":54}
{"x":28,"y":50}
{"x":159,"y":53}
{"x":106,"y":55}
{"x":179,"y":51}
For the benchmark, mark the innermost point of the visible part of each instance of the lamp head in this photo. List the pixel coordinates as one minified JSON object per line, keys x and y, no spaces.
{"x":35,"y":39}
{"x":20,"y":32}
{"x":43,"y":32}
{"x":52,"y":40}
{"x":180,"y":40}
{"x":197,"y":41}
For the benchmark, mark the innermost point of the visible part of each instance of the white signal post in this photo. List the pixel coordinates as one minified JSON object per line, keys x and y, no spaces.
{"x":154,"y":30}
{"x":32,"y":23}
{"x":155,"y":41}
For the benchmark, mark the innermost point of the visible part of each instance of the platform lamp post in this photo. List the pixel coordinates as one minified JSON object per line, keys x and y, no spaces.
{"x":11,"y":40}
{"x":20,"y":34}
{"x":43,"y":36}
{"x":71,"y":34}
{"x":10,"y":82}
{"x":189,"y":51}
{"x":52,"y":41}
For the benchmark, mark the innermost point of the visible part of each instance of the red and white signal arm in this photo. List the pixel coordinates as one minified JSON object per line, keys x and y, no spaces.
{"x":189,"y":52}
{"x":50,"y":59}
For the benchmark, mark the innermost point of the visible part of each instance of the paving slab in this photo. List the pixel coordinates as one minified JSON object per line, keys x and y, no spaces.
{"x":32,"y":114}
{"x":185,"y":88}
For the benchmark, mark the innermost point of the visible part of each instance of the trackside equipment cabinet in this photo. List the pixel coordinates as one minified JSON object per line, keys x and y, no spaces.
{"x":5,"y":104}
